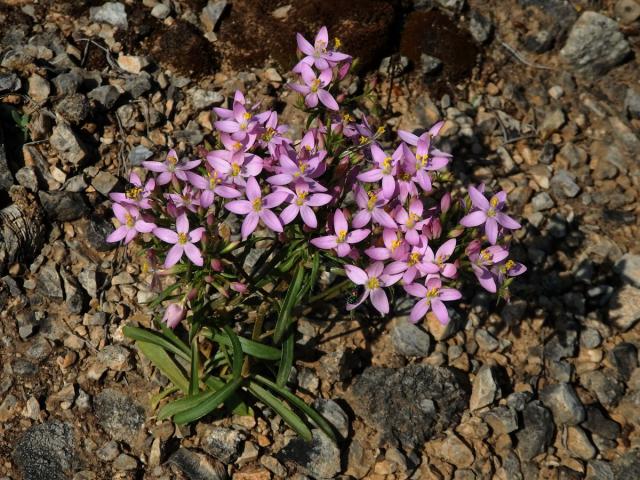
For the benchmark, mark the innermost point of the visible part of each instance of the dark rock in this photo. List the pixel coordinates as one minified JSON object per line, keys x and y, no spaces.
{"x":599,"y":470}
{"x":624,"y":358}
{"x":561,"y":398}
{"x":137,"y":85}
{"x":628,"y":267}
{"x":539,"y":42}
{"x":211,"y":14}
{"x":410,"y":340}
{"x":631,"y":103}
{"x":46,"y":451}
{"x":408,"y":405}
{"x":429,"y":64}
{"x":485,"y":388}
{"x":604,"y":385}
{"x":563,"y":185}
{"x":562,"y":345}
{"x":502,"y":419}
{"x":597,"y":422}
{"x":49,"y":283}
{"x":197,"y":466}
{"x":537,"y":433}
{"x":480,"y":27}
{"x":28,"y":178}
{"x":63,"y":206}
{"x":119,"y":415}
{"x":106,"y":95}
{"x":68,"y":83}
{"x":10,"y":82}
{"x":222,"y":443}
{"x":319,"y":458}
{"x":97,"y":230}
{"x":73,"y":108}
{"x":518,"y":400}
{"x":595,"y":45}
{"x":69,"y":147}
{"x":139,"y":154}
{"x":590,"y":338}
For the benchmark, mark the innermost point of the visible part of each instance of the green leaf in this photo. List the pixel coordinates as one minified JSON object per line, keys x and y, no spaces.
{"x":250,"y":347}
{"x":289,"y":301}
{"x":238,"y":357}
{"x":293,"y":420}
{"x":194,"y":381}
{"x":209,"y":404}
{"x":156,"y":399}
{"x":142,"y":335}
{"x":159,"y":357}
{"x":286,"y":362}
{"x":163,"y":295}
{"x":318,"y":419}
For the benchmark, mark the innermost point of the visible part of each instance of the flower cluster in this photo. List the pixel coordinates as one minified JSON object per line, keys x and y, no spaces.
{"x":384,"y":215}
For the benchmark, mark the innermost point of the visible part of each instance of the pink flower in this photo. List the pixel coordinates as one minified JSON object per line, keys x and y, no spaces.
{"x":183,"y":242}
{"x":170,"y":169}
{"x":186,"y":200}
{"x":211,"y":186}
{"x":313,"y":88}
{"x":342,"y":239}
{"x":371,"y":207}
{"x":317,"y":54}
{"x":394,"y":246}
{"x":373,"y":278}
{"x":434,"y":297}
{"x":488,"y":212}
{"x":482,"y":260}
{"x":235,"y":165}
{"x":411,"y":222}
{"x":240,"y":123}
{"x":131,"y":223}
{"x":438,"y":260}
{"x":301,"y":203}
{"x":257,"y":208}
{"x":386,"y":170}
{"x":173,"y":315}
{"x":136,"y":194}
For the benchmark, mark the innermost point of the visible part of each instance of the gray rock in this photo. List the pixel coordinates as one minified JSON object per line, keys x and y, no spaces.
{"x":73,"y":108}
{"x":485,"y":388}
{"x":63,"y":206}
{"x":552,"y":122}
{"x":624,"y":307}
{"x":319,"y":458}
{"x":222,"y":443}
{"x":115,"y":357}
{"x":46,"y":451}
{"x":393,"y":65}
{"x":486,"y":341}
{"x":201,"y":99}
{"x":632,"y":103}
{"x":97,"y":231}
{"x":408,"y":405}
{"x":124,"y":462}
{"x":6,"y":178}
{"x":138,"y":85}
{"x":104,"y":182}
{"x":68,"y":83}
{"x":537,"y":433}
{"x":561,"y":345}
{"x":628,"y":267}
{"x":118,"y":414}
{"x":590,"y":338}
{"x":597,"y":422}
{"x":410,"y":340}
{"x":139,"y":154}
{"x":599,"y":470}
{"x":49,"y":283}
{"x":197,"y":466}
{"x":542,"y":201}
{"x":604,"y":385}
{"x":9,"y":82}
{"x":68,"y":145}
{"x":76,"y":184}
{"x":502,"y":419}
{"x":595,"y":45}
{"x":624,"y":357}
{"x":108,"y":452}
{"x":160,"y":11}
{"x":539,"y":41}
{"x":429,"y":64}
{"x":106,"y":95}
{"x":39,"y":88}
{"x":453,"y":5}
{"x":627,"y":467}
{"x":563,"y":185}
{"x":211,"y":14}
{"x":334,"y":414}
{"x":112,"y":13}
{"x":565,"y":405}
{"x":480,"y":27}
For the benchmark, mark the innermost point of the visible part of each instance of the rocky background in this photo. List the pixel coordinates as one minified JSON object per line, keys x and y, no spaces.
{"x":540,"y":97}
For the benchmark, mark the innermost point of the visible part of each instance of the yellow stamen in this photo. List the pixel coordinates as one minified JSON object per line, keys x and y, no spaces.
{"x":414,"y":258}
{"x":247,"y":115}
{"x":494,"y":202}
{"x":235,"y":170}
{"x":395,"y":244}
{"x":315,"y":85}
{"x":172,"y":160}
{"x":423,"y":160}
{"x":342,"y":236}
{"x":257,"y":204}
{"x":411,"y":221}
{"x":380,"y":131}
{"x":130,"y":220}
{"x":268,"y":135}
{"x":182,"y":238}
{"x":486,"y":256}
{"x":405,"y":177}
{"x":363,"y":140}
{"x":373,"y":283}
{"x":509,"y":265}
{"x":301,"y":198}
{"x":373,"y":198}
{"x":432,"y":293}
{"x":336,"y":42}
{"x":133,"y":193}
{"x":347,"y":117}
{"x":386,"y":165}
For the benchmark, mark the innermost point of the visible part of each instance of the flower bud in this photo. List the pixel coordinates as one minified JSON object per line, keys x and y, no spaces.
{"x":216,"y":265}
{"x":445,"y":202}
{"x":238,"y":287}
{"x":173,"y":315}
{"x":193,"y":293}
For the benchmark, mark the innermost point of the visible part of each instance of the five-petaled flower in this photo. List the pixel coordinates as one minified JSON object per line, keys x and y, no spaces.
{"x":314,"y":89}
{"x":374,"y":278}
{"x":489,"y":213}
{"x":432,"y":297}
{"x":183,"y":242}
{"x":131,"y":223}
{"x":343,"y":238}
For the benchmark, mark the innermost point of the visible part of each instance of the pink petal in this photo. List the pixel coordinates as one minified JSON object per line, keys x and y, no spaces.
{"x":174,"y":255}
{"x":196,"y":235}
{"x":343,"y":249}
{"x":339,"y":222}
{"x":240,"y":207}
{"x":370,"y":175}
{"x":253,"y":189}
{"x":416,"y":290}
{"x":419,"y":310}
{"x":440,"y":311}
{"x":193,"y":253}
{"x":362,"y":218}
{"x":383,"y":218}
{"x":356,"y":236}
{"x":249,"y":224}
{"x":155,"y":166}
{"x":289,"y":214}
{"x":449,"y":294}
{"x":308,"y":217}
{"x":356,"y":274}
{"x":380,"y":301}
{"x":506,"y":221}
{"x":271,"y":220}
{"x":491,"y":229}
{"x":327,"y":242}
{"x":226,"y":126}
{"x":276,"y":198}
{"x":473,"y":219}
{"x":311,"y":100}
{"x":118,"y":234}
{"x":377,"y":253}
{"x":303,"y":45}
{"x":166,"y":235}
{"x":182,"y":224}
{"x":319,"y":199}
{"x":446,"y":249}
{"x":478,"y":199}
{"x":328,"y":100}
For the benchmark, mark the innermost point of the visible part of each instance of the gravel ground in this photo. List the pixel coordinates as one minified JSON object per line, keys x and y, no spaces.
{"x":541,"y":98}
